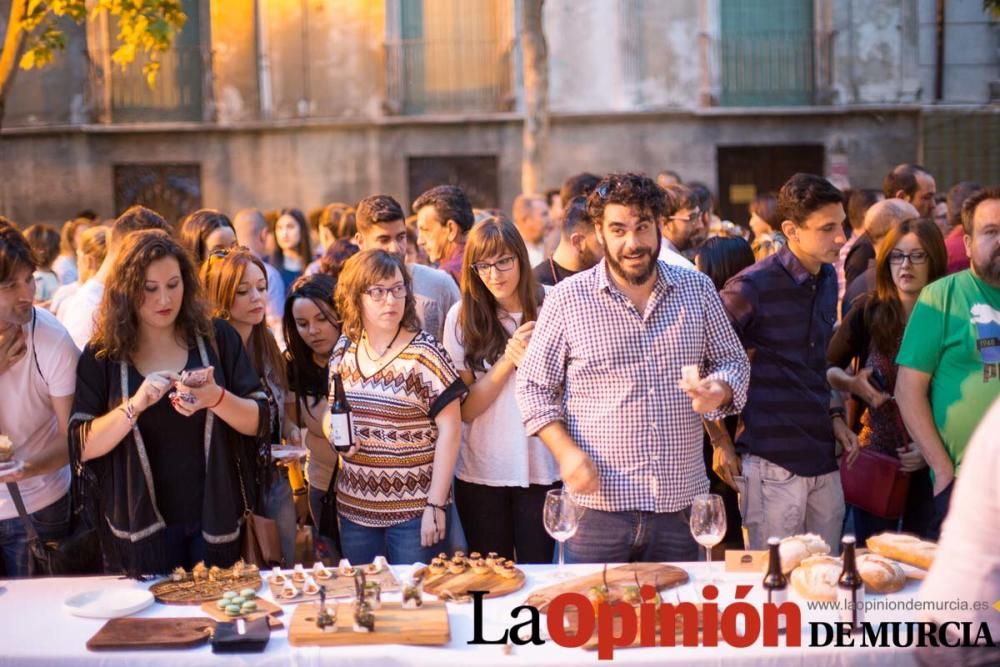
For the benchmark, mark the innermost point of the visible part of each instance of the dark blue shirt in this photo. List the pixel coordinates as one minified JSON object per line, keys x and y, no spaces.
{"x":784,"y":317}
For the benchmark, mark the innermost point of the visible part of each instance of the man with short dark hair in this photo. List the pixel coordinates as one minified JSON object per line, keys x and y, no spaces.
{"x":577,"y":185}
{"x":912,"y":183}
{"x":578,"y":247}
{"x":954,"y":242}
{"x":668,"y":177}
{"x":680,"y":225}
{"x":783,"y":309}
{"x":382,"y":225}
{"x":444,"y":217}
{"x":531,"y":217}
{"x":949,"y":360}
{"x":599,"y":383}
{"x":81,"y":308}
{"x":38,"y":380}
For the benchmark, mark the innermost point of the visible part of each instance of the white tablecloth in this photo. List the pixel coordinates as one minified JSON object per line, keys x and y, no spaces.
{"x":36,"y":630}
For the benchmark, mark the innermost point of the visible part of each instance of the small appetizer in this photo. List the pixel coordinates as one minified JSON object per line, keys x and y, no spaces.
{"x":299,"y":573}
{"x":491,"y":558}
{"x":289,"y":591}
{"x":345,"y":569}
{"x":248,"y":594}
{"x":509,"y":571}
{"x":373,"y":594}
{"x":364,"y":618}
{"x":456,"y":565}
{"x":310,"y":587}
{"x":443,"y":556}
{"x":222,"y":603}
{"x":437,"y":566}
{"x":479,"y":566}
{"x":377,"y":565}
{"x":248,"y":607}
{"x":321,"y":571}
{"x":277,"y":578}
{"x":179,"y":574}
{"x":199,"y":571}
{"x":475,"y":555}
{"x":232,"y":610}
{"x":459,"y":555}
{"x":229,"y":595}
{"x":238,"y":601}
{"x":412,"y":596}
{"x":214,"y":573}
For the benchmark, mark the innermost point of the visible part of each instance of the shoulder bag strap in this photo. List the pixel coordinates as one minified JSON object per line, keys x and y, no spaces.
{"x":29,"y":527}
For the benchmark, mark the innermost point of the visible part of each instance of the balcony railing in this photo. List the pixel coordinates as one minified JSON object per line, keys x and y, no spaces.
{"x":176,"y":95}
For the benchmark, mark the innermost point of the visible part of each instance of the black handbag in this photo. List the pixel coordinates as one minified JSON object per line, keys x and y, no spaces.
{"x":77,"y":553}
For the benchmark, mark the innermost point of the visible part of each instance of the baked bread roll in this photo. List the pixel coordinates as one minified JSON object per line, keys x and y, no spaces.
{"x":793,"y":550}
{"x":880,"y":574}
{"x":904,"y":548}
{"x":816,"y":578}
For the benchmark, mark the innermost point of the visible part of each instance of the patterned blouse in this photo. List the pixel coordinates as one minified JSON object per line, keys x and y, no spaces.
{"x":386,"y":482}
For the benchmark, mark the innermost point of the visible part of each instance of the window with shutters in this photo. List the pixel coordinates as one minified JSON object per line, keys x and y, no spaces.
{"x":962,"y":146}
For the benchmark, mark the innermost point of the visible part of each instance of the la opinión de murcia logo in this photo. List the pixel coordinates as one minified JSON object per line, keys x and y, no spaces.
{"x":620,"y":624}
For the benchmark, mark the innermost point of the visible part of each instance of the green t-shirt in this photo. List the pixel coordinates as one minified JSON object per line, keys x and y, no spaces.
{"x":954,"y":335}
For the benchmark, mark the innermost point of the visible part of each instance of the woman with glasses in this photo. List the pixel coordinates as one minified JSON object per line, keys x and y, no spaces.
{"x":236,"y":288}
{"x":311,"y":328}
{"x":910,"y":257}
{"x":168,"y":417}
{"x":404,"y":394}
{"x":206,"y":231}
{"x":502,"y":475}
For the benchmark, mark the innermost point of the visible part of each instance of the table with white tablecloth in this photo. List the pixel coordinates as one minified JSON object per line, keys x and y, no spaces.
{"x":36,"y":630}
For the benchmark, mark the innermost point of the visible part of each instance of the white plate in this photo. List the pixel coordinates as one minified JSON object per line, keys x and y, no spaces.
{"x":108,"y":603}
{"x":285,"y":453}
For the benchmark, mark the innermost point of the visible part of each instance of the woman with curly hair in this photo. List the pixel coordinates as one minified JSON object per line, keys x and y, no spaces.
{"x":404,"y":394}
{"x":173,"y":470}
{"x":205,"y":231}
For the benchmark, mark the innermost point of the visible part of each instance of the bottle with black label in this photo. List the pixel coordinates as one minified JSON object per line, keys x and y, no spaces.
{"x":850,"y":587}
{"x":775,"y":582}
{"x":341,"y":429}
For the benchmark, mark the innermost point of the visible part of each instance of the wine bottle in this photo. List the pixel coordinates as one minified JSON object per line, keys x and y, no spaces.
{"x":850,"y":587}
{"x":775,"y":582}
{"x":341,"y":428}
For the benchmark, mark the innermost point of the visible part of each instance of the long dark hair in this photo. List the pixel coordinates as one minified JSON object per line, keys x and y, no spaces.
{"x":722,"y":257}
{"x":116,"y":335}
{"x":483,"y":335}
{"x":884,"y":312}
{"x":305,"y":378}
{"x":305,"y":243}
{"x":196,"y":228}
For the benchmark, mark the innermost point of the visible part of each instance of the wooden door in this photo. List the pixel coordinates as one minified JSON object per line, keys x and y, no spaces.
{"x":745,"y":171}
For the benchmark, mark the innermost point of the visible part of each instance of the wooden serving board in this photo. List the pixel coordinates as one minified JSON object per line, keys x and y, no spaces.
{"x":264,"y":607}
{"x":426,"y":625}
{"x":657,"y":574}
{"x":132,"y":634}
{"x":338,"y":587}
{"x":456,"y":587}
{"x":198,"y":592}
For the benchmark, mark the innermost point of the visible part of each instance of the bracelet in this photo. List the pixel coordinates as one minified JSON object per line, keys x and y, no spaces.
{"x":838,"y":412}
{"x":129,"y":411}
{"x":299,"y":492}
{"x":221,"y":396}
{"x":443,"y":508}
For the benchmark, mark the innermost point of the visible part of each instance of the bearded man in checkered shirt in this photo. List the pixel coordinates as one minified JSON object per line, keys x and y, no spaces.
{"x":599,"y":383}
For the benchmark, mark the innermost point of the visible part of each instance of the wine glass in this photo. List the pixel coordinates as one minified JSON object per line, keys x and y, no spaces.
{"x":561,"y":516}
{"x":708,"y":524}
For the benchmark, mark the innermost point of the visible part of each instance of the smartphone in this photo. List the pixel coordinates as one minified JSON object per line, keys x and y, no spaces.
{"x":195,"y":377}
{"x":878,"y":380}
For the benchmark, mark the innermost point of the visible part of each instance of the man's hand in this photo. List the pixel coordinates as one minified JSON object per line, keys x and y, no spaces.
{"x":708,"y":395}
{"x":726,"y":462}
{"x":578,"y":472}
{"x":847,"y":438}
{"x":12,"y":346}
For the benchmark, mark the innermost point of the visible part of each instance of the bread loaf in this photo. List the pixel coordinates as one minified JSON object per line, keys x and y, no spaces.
{"x":793,"y":550}
{"x":816,"y":578}
{"x":904,"y":548}
{"x":880,"y":574}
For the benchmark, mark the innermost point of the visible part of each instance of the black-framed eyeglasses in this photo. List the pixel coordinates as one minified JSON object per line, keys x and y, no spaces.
{"x":378,"y":293}
{"x":690,"y":218}
{"x":915,"y":257}
{"x":502,"y":265}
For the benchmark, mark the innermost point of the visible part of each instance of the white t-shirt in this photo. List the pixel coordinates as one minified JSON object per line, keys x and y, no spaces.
{"x":669,"y":255}
{"x":81,"y":311}
{"x":26,"y":413}
{"x":496,"y":450}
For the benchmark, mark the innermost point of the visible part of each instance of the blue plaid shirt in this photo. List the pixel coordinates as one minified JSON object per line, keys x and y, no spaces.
{"x":610,"y":374}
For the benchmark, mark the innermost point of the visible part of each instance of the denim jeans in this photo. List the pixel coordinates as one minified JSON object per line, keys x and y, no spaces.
{"x":52,"y":523}
{"x":326,"y":546}
{"x":278,"y":505}
{"x":632,"y":536}
{"x":399,"y":544}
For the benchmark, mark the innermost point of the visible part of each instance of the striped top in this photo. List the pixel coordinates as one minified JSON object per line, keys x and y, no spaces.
{"x":784,"y":316}
{"x":386,"y":482}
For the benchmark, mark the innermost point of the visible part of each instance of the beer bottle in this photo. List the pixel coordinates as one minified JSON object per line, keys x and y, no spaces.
{"x":775,"y":582}
{"x":341,"y":430}
{"x":850,"y":587}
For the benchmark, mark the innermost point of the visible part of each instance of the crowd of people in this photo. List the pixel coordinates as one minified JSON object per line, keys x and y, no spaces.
{"x":613,"y":337}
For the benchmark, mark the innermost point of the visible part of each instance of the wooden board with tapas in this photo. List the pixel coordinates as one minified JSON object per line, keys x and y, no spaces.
{"x":263,"y":607}
{"x":451,"y":578}
{"x":205,"y":584}
{"x":614,"y":583}
{"x":133,"y":634}
{"x":302,"y":585}
{"x":426,"y":625}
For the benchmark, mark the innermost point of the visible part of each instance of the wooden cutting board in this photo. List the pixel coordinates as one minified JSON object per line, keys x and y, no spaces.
{"x":132,"y":634}
{"x":456,"y":587}
{"x":426,"y":625}
{"x":662,"y":576}
{"x":264,"y":607}
{"x":338,"y":587}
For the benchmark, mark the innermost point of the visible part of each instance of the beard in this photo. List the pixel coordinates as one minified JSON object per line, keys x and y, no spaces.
{"x":989,"y":271}
{"x":642,"y":274}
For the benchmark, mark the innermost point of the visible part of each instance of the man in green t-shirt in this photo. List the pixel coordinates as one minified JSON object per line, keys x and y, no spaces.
{"x":949,"y":360}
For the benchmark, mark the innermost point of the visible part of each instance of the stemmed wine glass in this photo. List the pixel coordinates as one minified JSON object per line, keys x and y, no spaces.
{"x":561,"y":516}
{"x":708,"y":524}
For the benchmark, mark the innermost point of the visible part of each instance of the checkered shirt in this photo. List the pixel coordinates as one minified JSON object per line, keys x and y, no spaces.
{"x":610,"y":374}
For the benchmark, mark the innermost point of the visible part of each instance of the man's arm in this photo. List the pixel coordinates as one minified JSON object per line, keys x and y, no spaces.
{"x":55,"y":455}
{"x":723,"y":358}
{"x":915,"y":407}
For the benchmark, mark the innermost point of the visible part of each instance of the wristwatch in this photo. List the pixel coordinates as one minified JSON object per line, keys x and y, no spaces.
{"x":838,"y":412}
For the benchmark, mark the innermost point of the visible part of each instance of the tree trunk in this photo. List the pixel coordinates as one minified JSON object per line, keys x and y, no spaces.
{"x":13,"y":47}
{"x":536,"y":97}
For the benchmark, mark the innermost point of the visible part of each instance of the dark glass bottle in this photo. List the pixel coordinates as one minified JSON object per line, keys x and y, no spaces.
{"x":341,"y":428}
{"x":850,"y":587}
{"x":775,"y":582}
